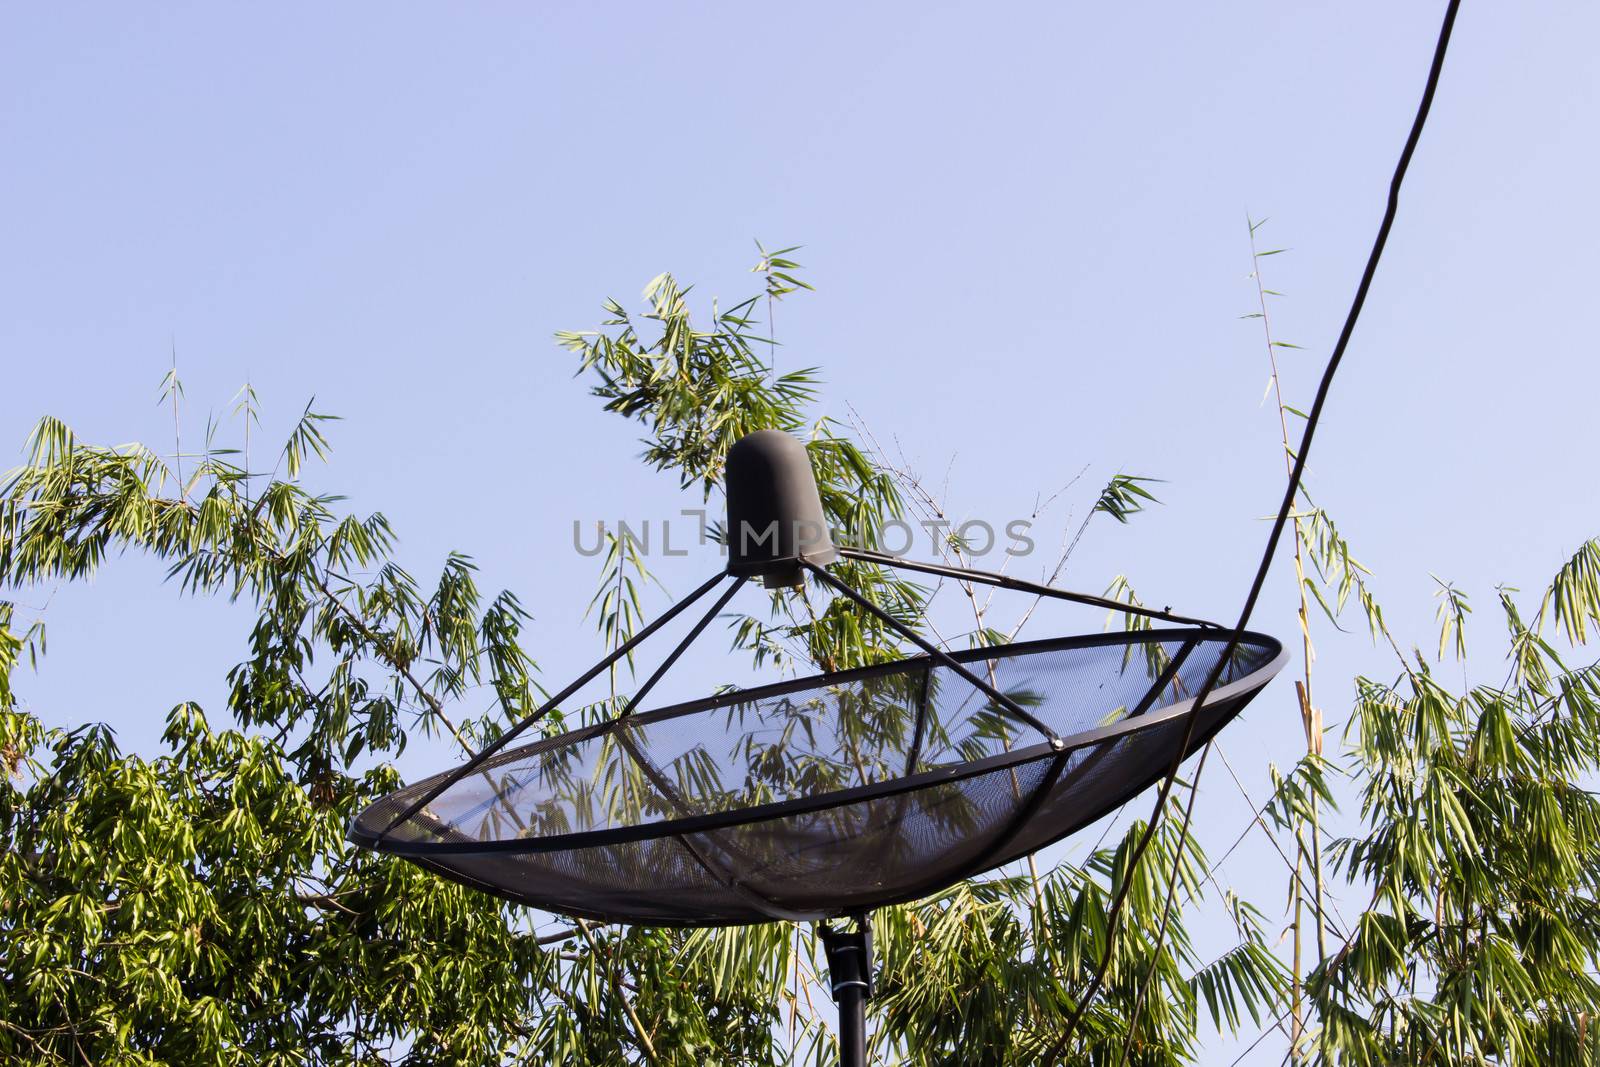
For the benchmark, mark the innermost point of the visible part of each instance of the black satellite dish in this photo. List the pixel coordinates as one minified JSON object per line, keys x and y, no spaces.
{"x":833,"y":795}
{"x":828,"y":796}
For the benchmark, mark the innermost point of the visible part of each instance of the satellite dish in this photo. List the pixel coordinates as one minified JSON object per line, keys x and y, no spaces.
{"x":828,"y":796}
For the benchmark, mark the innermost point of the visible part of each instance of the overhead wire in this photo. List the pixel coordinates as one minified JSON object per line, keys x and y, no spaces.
{"x":1291,"y":491}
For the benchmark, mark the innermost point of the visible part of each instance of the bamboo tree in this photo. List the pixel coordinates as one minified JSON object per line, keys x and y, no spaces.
{"x":1482,"y":855}
{"x":1307,"y":853}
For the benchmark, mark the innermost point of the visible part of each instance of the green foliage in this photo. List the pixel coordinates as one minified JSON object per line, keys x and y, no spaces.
{"x":997,"y":965}
{"x":696,"y":390}
{"x":198,"y":904}
{"x":202,"y":905}
{"x":1481,"y":851}
{"x":1124,"y":496}
{"x":1574,"y":593}
{"x":1451,"y":614}
{"x":1476,"y":849}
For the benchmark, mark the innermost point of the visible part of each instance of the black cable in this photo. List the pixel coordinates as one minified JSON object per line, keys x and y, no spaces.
{"x":1290,"y":492}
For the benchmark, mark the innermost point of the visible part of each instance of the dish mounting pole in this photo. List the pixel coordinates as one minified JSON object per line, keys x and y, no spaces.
{"x":849,"y":955}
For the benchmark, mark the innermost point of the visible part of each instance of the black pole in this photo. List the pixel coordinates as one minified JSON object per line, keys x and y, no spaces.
{"x":849,"y":955}
{"x":852,"y":1028}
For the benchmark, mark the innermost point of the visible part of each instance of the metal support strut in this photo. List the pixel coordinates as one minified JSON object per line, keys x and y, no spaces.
{"x":849,"y":955}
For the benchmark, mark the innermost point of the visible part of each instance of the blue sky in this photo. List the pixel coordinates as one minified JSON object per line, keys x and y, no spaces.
{"x":1026,"y":224}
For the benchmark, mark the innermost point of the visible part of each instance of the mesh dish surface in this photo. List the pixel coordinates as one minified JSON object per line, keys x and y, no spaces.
{"x":827,"y":795}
